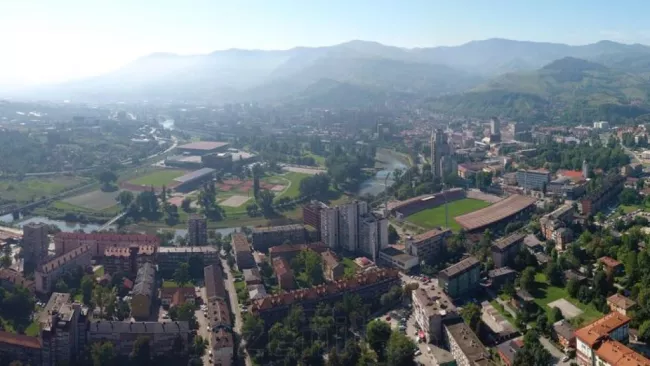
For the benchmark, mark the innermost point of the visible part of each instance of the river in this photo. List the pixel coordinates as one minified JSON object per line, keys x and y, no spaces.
{"x":388,"y":161}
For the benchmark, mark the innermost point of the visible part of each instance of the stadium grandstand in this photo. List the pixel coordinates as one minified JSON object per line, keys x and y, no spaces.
{"x":512,"y":207}
{"x":402,"y":209}
{"x":193,"y":180}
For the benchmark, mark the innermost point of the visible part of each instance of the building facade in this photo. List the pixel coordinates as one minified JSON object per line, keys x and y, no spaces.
{"x":284,"y":274}
{"x":144,"y":292}
{"x":123,"y":334}
{"x":49,"y":272}
{"x":373,"y":235}
{"x":243,"y":253}
{"x":442,"y":159}
{"x":265,"y":237}
{"x":18,"y":347}
{"x":431,"y":306}
{"x":169,"y":258}
{"x":65,"y":242}
{"x":464,"y":345}
{"x":613,"y":326}
{"x":35,"y":243}
{"x":505,"y":249}
{"x":461,"y":278}
{"x":533,"y":179}
{"x":123,"y":259}
{"x":197,"y":230}
{"x":60,"y":330}
{"x":427,"y":246}
{"x":596,"y":200}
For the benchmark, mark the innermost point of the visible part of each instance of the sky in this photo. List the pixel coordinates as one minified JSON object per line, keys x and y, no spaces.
{"x":49,"y":41}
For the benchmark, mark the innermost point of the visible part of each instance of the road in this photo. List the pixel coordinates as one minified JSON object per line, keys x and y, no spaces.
{"x":633,"y":156}
{"x":556,"y":353}
{"x":234,"y":305}
{"x":203,"y":328}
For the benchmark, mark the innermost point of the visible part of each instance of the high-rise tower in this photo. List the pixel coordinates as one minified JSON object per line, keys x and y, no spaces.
{"x":442,"y":161}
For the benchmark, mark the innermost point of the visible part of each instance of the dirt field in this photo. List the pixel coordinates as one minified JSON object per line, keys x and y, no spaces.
{"x":95,"y":200}
{"x":568,"y":310}
{"x":234,"y":201}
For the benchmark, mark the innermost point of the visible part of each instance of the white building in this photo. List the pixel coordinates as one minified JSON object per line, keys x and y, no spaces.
{"x":373,"y":235}
{"x":601,"y":125}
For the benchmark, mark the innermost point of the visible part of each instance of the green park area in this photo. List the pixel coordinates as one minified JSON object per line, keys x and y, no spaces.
{"x":31,"y":189}
{"x":293,"y":180}
{"x":435,"y":217}
{"x":545,"y":293}
{"x":158,"y":178}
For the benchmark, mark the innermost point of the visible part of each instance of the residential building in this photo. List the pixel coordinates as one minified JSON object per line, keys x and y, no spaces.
{"x":508,"y":350}
{"x":522,"y":300}
{"x":369,"y":285}
{"x":9,"y":279}
{"x":256,"y":292}
{"x":431,"y":306}
{"x":596,"y":200}
{"x":394,"y":256}
{"x":373,"y":235}
{"x":465,"y":345}
{"x":143,"y":291}
{"x":611,"y":265}
{"x":252,"y":276}
{"x":35,"y":243}
{"x":613,"y":353}
{"x":506,"y":249}
{"x":49,"y":272}
{"x":342,"y":227}
{"x":176,"y":296}
{"x":266,"y":237}
{"x":613,"y":326}
{"x":18,"y":347}
{"x":620,"y":303}
{"x":428,"y":246}
{"x":554,"y":226}
{"x":570,"y":274}
{"x":442,"y":159}
{"x":564,"y":334}
{"x":61,"y":337}
{"x":222,"y":347}
{"x":127,"y":259}
{"x":461,"y":278}
{"x":123,"y":334}
{"x":197,"y":230}
{"x":536,"y":179}
{"x":311,"y":215}
{"x":169,"y":258}
{"x":284,"y":274}
{"x":65,"y":242}
{"x":218,"y":314}
{"x":332,"y":268}
{"x":214,"y":284}
{"x":500,"y":276}
{"x":601,"y":125}
{"x":243,"y":254}
{"x":290,"y":251}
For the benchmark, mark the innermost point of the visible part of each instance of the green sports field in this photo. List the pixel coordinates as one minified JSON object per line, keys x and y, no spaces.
{"x":158,"y":178}
{"x":435,"y":217}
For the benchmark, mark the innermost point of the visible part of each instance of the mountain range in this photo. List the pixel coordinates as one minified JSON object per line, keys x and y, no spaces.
{"x":526,"y":76}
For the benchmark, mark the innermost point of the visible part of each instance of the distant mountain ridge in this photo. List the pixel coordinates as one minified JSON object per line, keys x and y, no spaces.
{"x":361,"y":67}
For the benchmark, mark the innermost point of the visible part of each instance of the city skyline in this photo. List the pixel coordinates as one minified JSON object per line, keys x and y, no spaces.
{"x":54,"y":42}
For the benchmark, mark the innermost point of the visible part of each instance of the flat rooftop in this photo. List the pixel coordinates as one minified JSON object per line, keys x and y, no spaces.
{"x":203,"y":145}
{"x":194,"y":175}
{"x":460,"y":267}
{"x":495,"y":212}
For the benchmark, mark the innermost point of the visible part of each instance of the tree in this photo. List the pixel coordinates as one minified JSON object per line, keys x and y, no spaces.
{"x":572,"y":287}
{"x":186,"y":204}
{"x":61,"y":286}
{"x":87,"y":284}
{"x":471,"y":314}
{"x":377,"y":335}
{"x":533,"y":353}
{"x":198,"y":346}
{"x":182,"y":275}
{"x":5,"y":261}
{"x":252,"y":329}
{"x":103,"y":354}
{"x":125,"y":198}
{"x":527,"y":280}
{"x":393,"y":236}
{"x":265,"y":201}
{"x":554,"y":274}
{"x":141,"y":353}
{"x":400,"y":350}
{"x":556,"y":315}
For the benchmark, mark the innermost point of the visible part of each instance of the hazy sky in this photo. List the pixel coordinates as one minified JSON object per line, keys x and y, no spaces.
{"x":46,"y":41}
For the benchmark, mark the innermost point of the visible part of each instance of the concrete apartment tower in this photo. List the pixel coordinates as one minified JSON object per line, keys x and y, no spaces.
{"x":197,"y":230}
{"x":35,"y":243}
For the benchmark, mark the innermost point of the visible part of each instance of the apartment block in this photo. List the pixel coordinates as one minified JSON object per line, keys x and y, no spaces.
{"x":222,"y":347}
{"x":311,"y":215}
{"x":35,"y":242}
{"x":333,"y":269}
{"x":144,"y":292}
{"x":461,"y":278}
{"x":533,"y":179}
{"x":123,"y":334}
{"x":613,"y":326}
{"x":169,"y":258}
{"x":127,"y":259}
{"x":60,"y":334}
{"x":65,"y":242}
{"x":284,"y":274}
{"x":505,"y":249}
{"x":243,"y":253}
{"x":266,"y":237}
{"x":18,"y":347}
{"x":373,"y":235}
{"x":431,"y":306}
{"x":596,"y":200}
{"x":197,"y":230}
{"x":340,"y":225}
{"x":290,"y":251}
{"x":620,"y":303}
{"x":214,"y":285}
{"x":464,"y":345}
{"x":48,"y":273}
{"x":9,"y":279}
{"x":428,"y":246}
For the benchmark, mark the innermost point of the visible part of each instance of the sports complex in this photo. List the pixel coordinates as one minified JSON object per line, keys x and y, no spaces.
{"x":472,"y":211}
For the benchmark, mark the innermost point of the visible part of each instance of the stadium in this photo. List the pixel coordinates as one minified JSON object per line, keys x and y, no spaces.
{"x":508,"y":209}
{"x":402,"y":209}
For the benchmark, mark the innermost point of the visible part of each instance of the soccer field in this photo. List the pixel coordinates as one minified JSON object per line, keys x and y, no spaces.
{"x":435,"y":217}
{"x":158,"y":178}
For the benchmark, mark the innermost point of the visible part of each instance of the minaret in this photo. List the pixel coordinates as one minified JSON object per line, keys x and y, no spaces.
{"x":585,"y":169}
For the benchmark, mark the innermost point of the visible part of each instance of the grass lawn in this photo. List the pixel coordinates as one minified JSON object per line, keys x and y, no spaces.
{"x":294,"y":187}
{"x":350,"y":267}
{"x":158,"y":178}
{"x":33,"y":329}
{"x":36,"y":188}
{"x":169,"y":283}
{"x":435,"y":217}
{"x":630,"y":208}
{"x":100,"y":271}
{"x":545,"y":293}
{"x":320,"y":160}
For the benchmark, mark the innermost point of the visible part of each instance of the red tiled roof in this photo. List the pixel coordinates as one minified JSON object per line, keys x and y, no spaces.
{"x":609,"y":262}
{"x":601,"y":328}
{"x":617,"y":354}
{"x":20,"y":340}
{"x":281,"y":267}
{"x":109,"y":237}
{"x":621,"y":301}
